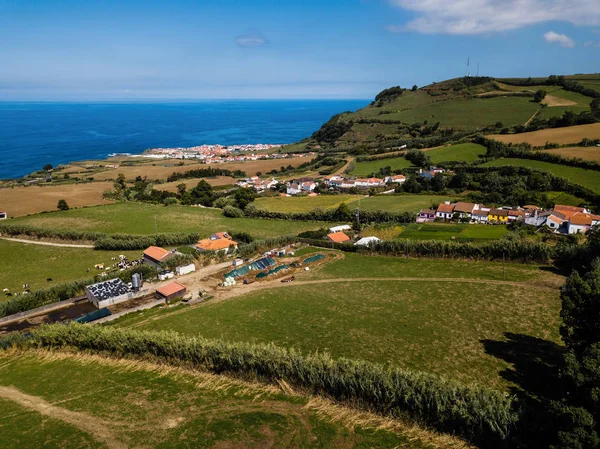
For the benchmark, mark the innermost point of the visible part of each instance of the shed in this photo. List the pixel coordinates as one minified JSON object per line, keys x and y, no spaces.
{"x":155,"y":255}
{"x":172,"y":291}
{"x":340,"y":228}
{"x":185,"y":269}
{"x":107,"y":293}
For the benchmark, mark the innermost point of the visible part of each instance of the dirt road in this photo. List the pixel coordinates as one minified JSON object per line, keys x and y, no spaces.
{"x":37,"y":242}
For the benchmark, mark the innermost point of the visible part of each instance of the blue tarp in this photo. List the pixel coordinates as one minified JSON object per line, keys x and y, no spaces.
{"x":273,"y":271}
{"x":258,"y":265}
{"x":315,"y":258}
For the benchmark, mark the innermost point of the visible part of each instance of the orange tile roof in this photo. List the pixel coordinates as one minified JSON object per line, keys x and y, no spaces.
{"x":215,"y":245}
{"x":581,"y":219}
{"x":446,"y":208}
{"x":338,"y":237}
{"x":568,"y":211}
{"x":156,"y":252}
{"x":464,"y":207}
{"x":171,"y":289}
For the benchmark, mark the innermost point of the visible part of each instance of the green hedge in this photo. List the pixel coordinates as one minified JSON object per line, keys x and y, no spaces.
{"x":478,"y":414}
{"x":32,"y":231}
{"x":379,"y":216}
{"x":133,"y":242}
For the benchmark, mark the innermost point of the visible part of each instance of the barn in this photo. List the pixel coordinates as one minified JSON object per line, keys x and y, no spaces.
{"x":107,"y":293}
{"x":172,"y":291}
{"x":155,"y":255}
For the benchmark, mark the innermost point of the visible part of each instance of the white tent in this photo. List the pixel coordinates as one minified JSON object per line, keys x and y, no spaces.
{"x":367,"y":241}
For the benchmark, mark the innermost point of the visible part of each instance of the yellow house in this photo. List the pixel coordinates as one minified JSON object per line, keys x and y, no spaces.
{"x":498,"y":215}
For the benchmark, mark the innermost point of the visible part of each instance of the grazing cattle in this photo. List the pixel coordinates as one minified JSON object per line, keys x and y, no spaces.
{"x":49,"y":280}
{"x":5,"y":290}
{"x":9,"y":294}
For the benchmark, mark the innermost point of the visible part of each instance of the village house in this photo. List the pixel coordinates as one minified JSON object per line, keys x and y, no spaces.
{"x":498,"y":215}
{"x":516,"y":215}
{"x":300,"y":186}
{"x":396,"y":179}
{"x":445,"y":211}
{"x":480,"y":215}
{"x":465,"y":210}
{"x":426,"y":215}
{"x":155,"y":256}
{"x":219,"y":244}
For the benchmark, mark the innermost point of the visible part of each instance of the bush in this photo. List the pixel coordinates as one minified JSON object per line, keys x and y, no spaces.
{"x":233,"y":212}
{"x":133,"y":242}
{"x":479,"y":414}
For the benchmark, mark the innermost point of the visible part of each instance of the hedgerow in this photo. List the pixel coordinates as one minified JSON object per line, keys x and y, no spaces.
{"x":478,"y":414}
{"x":125,"y":242}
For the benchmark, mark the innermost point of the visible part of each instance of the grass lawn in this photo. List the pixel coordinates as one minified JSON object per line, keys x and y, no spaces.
{"x":366,"y":168}
{"x":401,"y":203}
{"x":93,"y":402}
{"x":581,"y":176}
{"x":461,"y":232}
{"x":139,"y":218}
{"x":303,"y":203}
{"x":22,"y":263}
{"x":466,"y":152}
{"x":439,"y":327}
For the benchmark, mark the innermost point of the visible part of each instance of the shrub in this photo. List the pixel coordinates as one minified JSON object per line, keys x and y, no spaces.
{"x":233,"y":212}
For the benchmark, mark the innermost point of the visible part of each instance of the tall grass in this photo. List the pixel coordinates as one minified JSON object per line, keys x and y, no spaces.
{"x":478,"y":414}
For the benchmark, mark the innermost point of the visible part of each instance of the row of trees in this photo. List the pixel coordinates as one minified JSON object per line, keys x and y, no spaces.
{"x":123,"y":242}
{"x":207,"y":172}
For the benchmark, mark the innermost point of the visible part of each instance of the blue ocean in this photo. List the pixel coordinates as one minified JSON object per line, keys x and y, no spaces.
{"x":35,"y":134}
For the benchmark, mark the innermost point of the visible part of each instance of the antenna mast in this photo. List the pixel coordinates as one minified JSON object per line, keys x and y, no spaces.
{"x":478,"y":68}
{"x":468,"y":62}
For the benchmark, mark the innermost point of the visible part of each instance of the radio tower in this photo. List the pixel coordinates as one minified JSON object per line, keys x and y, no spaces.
{"x":468,"y":62}
{"x":478,"y":68}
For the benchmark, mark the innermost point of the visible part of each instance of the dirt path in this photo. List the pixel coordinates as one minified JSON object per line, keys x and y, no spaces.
{"x":37,"y":242}
{"x":86,"y":423}
{"x":341,"y":170}
{"x":535,"y":114}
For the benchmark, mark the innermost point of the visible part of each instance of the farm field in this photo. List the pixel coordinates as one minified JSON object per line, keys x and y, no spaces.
{"x":303,"y":203}
{"x":69,"y":400}
{"x":466,"y":152}
{"x":217,"y":181}
{"x":563,"y":136}
{"x":139,"y":218}
{"x":401,"y":203}
{"x":587,"y":153}
{"x":460,"y":232}
{"x":366,"y":168}
{"x":19,"y":201}
{"x":22,"y":263}
{"x":402,"y":323}
{"x":581,"y":176}
{"x":159,"y":171}
{"x":559,"y":110}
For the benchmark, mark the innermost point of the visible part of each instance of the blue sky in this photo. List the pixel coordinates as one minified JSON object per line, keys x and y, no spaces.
{"x":146,"y":49}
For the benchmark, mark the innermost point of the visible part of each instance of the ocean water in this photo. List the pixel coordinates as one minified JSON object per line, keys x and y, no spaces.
{"x":35,"y":134}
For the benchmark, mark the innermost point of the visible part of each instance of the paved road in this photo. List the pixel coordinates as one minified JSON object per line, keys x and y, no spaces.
{"x":37,"y":242}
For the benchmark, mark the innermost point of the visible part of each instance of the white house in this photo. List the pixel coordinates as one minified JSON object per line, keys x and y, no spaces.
{"x":445,"y":211}
{"x":293,"y":189}
{"x":339,"y":228}
{"x":396,"y":179}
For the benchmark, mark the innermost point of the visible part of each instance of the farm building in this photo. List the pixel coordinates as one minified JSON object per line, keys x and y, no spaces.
{"x":445,"y":211}
{"x":498,"y":215}
{"x":3,"y":215}
{"x":172,"y":291}
{"x":107,"y":293}
{"x":426,"y":215}
{"x":338,"y":237}
{"x":221,"y":244}
{"x":340,"y":228}
{"x":367,"y":241}
{"x":155,"y":255}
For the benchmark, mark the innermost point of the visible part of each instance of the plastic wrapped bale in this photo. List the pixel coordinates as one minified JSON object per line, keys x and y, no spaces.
{"x":229,"y":282}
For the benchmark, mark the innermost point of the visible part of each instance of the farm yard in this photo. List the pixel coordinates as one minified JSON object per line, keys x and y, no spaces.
{"x":22,"y":263}
{"x":563,"y":136}
{"x":19,"y":201}
{"x":403,"y":323}
{"x":581,"y":176}
{"x":73,"y":400}
{"x":139,"y":218}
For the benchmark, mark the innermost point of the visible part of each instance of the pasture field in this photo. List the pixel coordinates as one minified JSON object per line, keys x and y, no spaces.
{"x":352,"y":308}
{"x":68,"y":400}
{"x":366,"y":168}
{"x":460,"y":232}
{"x":303,"y":203}
{"x":559,"y":110}
{"x":587,"y":153}
{"x":465,"y":152}
{"x":563,"y":136}
{"x":19,"y":201}
{"x":401,"y":203}
{"x":581,"y":176}
{"x":28,"y":263}
{"x":217,"y":181}
{"x":572,"y":97}
{"x":161,"y":170}
{"x":140,"y":218}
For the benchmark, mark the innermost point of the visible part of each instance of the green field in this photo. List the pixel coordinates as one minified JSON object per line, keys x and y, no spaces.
{"x":572,"y":96}
{"x":22,"y":263}
{"x":139,"y":218}
{"x":558,"y":111}
{"x":460,"y":232}
{"x":303,"y":203}
{"x":581,"y":176}
{"x":401,"y":203}
{"x":367,"y":168}
{"x":565,"y":198}
{"x":431,"y":325}
{"x":74,"y":401}
{"x":463,"y":152}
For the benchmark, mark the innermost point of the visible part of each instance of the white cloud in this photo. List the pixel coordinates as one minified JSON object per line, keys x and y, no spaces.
{"x":592,"y":44}
{"x":487,"y":16}
{"x":251,"y":40}
{"x":562,"y":39}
